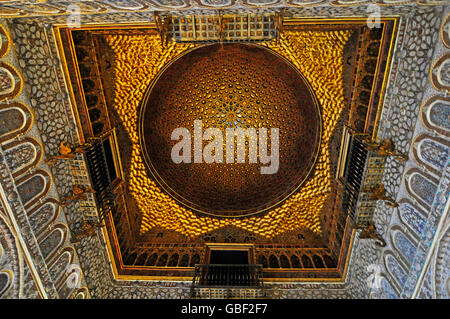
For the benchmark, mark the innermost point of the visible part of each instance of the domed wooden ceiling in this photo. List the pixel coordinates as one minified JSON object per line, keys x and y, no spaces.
{"x":315,"y":79}
{"x":231,"y":86}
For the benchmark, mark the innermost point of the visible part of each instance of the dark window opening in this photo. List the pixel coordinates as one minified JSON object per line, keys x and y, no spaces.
{"x":273,"y":262}
{"x":162,"y":260}
{"x":194,"y":260}
{"x":307,"y":263}
{"x":141,"y":260}
{"x":152,"y":260}
{"x":173,"y":261}
{"x":318,"y":262}
{"x":263,"y":261}
{"x":227,"y":257}
{"x":295,"y":262}
{"x":284,"y":262}
{"x":184,"y":261}
{"x":130,"y":259}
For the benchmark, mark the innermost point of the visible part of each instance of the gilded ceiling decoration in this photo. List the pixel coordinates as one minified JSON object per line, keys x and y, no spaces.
{"x":123,"y":77}
{"x":139,"y":58}
{"x":236,"y":86}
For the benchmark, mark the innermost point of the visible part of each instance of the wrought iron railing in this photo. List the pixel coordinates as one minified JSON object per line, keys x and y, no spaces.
{"x":359,"y":171}
{"x":227,"y":281}
{"x":352,"y":178}
{"x":100,"y":178}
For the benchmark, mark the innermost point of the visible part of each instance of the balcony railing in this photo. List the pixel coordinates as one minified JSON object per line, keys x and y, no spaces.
{"x":101,"y":178}
{"x":227,"y":281}
{"x":359,"y":170}
{"x":352,"y":163}
{"x":354,"y":172}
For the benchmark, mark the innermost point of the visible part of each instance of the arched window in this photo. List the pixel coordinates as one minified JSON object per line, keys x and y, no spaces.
{"x":43,"y":215}
{"x":60,"y":265}
{"x":306,"y":261}
{"x":33,"y":187}
{"x":263,"y":261}
{"x":295,"y":262}
{"x":162,"y":261}
{"x":173,"y":261}
{"x":284,"y":262}
{"x":10,"y":81}
{"x":273,"y":262}
{"x":21,"y":156}
{"x":52,"y":241}
{"x":152,"y":260}
{"x":141,"y":259}
{"x":318,"y":262}
{"x":184,"y":260}
{"x":329,"y":261}
{"x":194,"y":260}
{"x":434,"y":153}
{"x":129,"y":260}
{"x":15,"y":119}
{"x":439,"y":113}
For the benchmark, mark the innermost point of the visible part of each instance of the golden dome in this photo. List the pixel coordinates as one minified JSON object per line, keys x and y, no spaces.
{"x":237,"y":86}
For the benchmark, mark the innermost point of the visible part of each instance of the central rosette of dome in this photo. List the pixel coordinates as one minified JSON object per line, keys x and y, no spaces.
{"x":235,"y":87}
